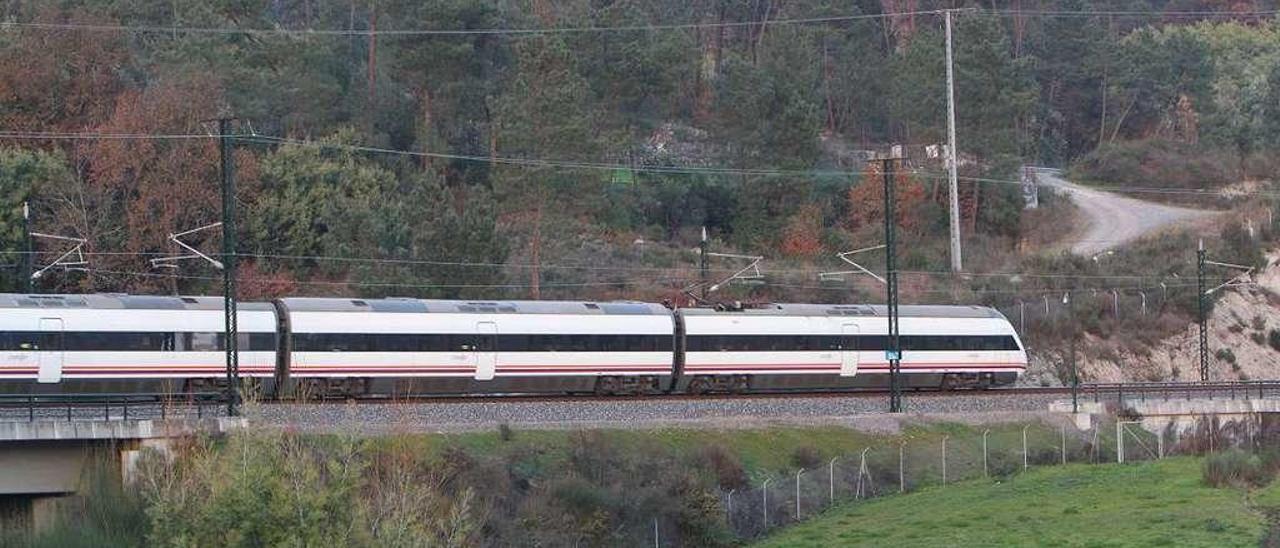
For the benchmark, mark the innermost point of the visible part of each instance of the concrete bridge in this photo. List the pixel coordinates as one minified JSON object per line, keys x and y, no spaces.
{"x":43,"y":462}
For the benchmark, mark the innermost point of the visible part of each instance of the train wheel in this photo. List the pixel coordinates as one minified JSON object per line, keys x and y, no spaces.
{"x":741,"y":384}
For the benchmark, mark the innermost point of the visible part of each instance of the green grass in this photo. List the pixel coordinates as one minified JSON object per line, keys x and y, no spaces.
{"x":763,"y":452}
{"x":1267,"y":497}
{"x":1151,"y":504}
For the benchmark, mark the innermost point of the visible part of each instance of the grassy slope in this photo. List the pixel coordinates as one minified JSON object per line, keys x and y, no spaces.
{"x":1267,"y":497}
{"x":1154,"y":504}
{"x":764,"y":452}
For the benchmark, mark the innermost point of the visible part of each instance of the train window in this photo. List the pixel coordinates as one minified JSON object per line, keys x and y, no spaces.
{"x":202,"y":342}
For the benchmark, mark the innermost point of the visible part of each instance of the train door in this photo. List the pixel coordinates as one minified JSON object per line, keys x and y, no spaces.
{"x":486,"y":350}
{"x":50,"y":350}
{"x":848,"y":350}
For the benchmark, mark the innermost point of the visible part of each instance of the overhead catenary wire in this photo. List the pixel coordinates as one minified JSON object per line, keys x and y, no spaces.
{"x":672,"y":282}
{"x":619,"y":268}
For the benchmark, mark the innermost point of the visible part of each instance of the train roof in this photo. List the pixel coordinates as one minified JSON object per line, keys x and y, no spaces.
{"x":120,"y":301}
{"x":427,"y":306}
{"x":873,"y":310}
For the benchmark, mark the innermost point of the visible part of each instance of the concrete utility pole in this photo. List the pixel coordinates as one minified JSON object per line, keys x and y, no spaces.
{"x":702,"y":263}
{"x":957,"y":263}
{"x":1201,"y":317}
{"x":28,"y":257}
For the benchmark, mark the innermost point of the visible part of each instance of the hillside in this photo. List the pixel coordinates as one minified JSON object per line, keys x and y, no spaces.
{"x":576,"y":149}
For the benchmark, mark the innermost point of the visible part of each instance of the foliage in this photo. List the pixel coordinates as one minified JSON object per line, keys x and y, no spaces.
{"x":1141,"y":163}
{"x":791,"y":110}
{"x":22,"y":174}
{"x":1235,"y":468}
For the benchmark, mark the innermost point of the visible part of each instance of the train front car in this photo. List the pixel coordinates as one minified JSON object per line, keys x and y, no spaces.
{"x":128,"y":343}
{"x":796,"y":347}
{"x":405,"y":347}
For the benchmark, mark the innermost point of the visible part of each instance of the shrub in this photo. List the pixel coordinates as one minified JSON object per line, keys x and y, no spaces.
{"x":1234,"y":468}
{"x":1226,"y":355}
{"x":1259,"y":339}
{"x":1273,"y":339}
{"x":806,"y":457}
{"x":725,"y":466}
{"x":1259,"y":323}
{"x":1175,"y":164}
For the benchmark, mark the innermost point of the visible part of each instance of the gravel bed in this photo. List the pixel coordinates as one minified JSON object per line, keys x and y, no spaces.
{"x":455,"y":416}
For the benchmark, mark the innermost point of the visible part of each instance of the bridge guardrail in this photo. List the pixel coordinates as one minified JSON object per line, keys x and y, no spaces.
{"x":74,"y":404}
{"x":1169,"y":390}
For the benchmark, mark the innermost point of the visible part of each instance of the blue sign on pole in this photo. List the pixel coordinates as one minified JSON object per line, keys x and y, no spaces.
{"x":893,"y":354}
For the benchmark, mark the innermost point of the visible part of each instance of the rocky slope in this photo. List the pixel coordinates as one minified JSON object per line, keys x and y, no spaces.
{"x":1239,"y":334}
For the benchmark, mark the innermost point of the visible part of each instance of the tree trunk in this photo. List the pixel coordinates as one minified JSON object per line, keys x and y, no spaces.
{"x":535,"y":252}
{"x":373,"y":46}
{"x":826,"y":85}
{"x":427,"y":125}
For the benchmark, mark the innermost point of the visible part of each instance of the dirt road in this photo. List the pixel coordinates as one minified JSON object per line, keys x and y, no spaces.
{"x":1113,"y":219}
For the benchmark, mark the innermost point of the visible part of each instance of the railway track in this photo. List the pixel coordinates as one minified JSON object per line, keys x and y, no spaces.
{"x":439,"y":413}
{"x":1091,"y":391}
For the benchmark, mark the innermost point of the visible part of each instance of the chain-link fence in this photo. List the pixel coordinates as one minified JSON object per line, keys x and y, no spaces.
{"x":935,"y":458}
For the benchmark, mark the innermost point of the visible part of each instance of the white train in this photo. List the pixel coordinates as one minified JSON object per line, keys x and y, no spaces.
{"x":400,"y":347}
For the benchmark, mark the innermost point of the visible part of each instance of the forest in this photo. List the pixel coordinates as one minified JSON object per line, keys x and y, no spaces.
{"x":577,"y":149}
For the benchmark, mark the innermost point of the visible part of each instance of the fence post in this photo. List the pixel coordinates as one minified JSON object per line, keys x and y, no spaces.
{"x":655,"y":532}
{"x":728,"y":506}
{"x":1024,"y":447}
{"x":1063,"y":427}
{"x":944,"y":459}
{"x":765,"y":501}
{"x":798,"y":472}
{"x":985,"y":471}
{"x":862,"y":473}
{"x":902,"y":478}
{"x":1094,"y":446}
{"x":1120,"y":442}
{"x":831,"y":479}
{"x":1160,"y":445}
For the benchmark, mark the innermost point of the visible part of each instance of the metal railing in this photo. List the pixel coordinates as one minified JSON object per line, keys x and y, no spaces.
{"x":1142,"y":391}
{"x":100,"y":406}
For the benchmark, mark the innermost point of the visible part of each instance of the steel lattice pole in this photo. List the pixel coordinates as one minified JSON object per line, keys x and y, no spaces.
{"x":230,"y":341}
{"x":892,"y":348}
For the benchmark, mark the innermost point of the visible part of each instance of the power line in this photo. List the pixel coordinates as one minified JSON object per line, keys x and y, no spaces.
{"x":603,"y":166}
{"x":161,"y":29}
{"x":1133,"y":13}
{"x":152,"y":29}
